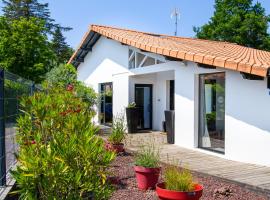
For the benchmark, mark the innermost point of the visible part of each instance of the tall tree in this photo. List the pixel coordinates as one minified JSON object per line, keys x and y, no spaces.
{"x":61,"y":49}
{"x":24,"y":48}
{"x":237,"y":21}
{"x":15,"y":9}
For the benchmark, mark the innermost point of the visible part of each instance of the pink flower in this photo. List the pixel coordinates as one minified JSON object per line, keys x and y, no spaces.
{"x":70,"y":87}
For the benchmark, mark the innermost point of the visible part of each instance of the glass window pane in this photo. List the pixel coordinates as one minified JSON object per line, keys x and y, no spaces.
{"x":131,"y":63}
{"x":159,"y":62}
{"x":130,"y":51}
{"x":105,"y":110}
{"x":149,"y":61}
{"x":139,"y":58}
{"x":212,"y":111}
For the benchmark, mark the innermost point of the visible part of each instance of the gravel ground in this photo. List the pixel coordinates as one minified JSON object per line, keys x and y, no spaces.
{"x":214,"y":188}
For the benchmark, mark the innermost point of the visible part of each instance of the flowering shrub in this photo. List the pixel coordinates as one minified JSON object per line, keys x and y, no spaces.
{"x":60,"y":156}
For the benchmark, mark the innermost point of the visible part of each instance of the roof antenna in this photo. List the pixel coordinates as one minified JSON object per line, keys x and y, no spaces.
{"x":176,"y":16}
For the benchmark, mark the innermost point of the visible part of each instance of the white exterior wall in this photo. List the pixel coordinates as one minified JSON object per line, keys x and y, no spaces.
{"x":107,"y":63}
{"x":247,"y":122}
{"x":247,"y":127}
{"x":247,"y":115}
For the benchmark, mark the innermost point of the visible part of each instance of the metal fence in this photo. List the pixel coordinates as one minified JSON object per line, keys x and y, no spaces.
{"x":12,"y":87}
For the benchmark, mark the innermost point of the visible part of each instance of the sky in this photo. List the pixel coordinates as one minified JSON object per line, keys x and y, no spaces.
{"x":143,"y":15}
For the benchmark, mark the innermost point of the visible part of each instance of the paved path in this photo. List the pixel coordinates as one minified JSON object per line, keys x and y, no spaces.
{"x":248,"y":175}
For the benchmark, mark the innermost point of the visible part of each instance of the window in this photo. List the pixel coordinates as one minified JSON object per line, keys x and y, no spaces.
{"x":212,"y":111}
{"x":131,"y":62}
{"x":106,"y":103}
{"x":149,"y":61}
{"x":130,"y":52}
{"x":138,"y":59}
{"x":160,"y":62}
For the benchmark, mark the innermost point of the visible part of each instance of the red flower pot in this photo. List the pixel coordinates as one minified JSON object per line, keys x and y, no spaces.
{"x":117,"y":148}
{"x":165,"y":194}
{"x":146,"y":177}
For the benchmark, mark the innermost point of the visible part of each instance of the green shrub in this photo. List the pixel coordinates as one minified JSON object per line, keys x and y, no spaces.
{"x":62,"y":75}
{"x":118,"y":130}
{"x":178,"y":179}
{"x":87,"y":94}
{"x":66,"y":75}
{"x":148,"y":156}
{"x":60,"y":156}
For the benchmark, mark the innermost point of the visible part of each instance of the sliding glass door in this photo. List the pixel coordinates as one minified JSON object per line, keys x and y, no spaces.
{"x":106,"y":112}
{"x":212,"y":111}
{"x":143,"y":100}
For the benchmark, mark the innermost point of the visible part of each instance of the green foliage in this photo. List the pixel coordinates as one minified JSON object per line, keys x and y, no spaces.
{"x":61,"y":49}
{"x":24,"y":46}
{"x":24,"y":49}
{"x":13,"y":90}
{"x":131,"y":105}
{"x":16,"y":9}
{"x":87,"y":94}
{"x":148,"y":156}
{"x":178,"y":179}
{"x":211,"y":117}
{"x":237,"y":21}
{"x":60,"y":156}
{"x":118,"y":130}
{"x":62,"y":75}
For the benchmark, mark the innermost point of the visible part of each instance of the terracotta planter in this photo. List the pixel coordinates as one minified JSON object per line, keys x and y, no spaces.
{"x":146,"y":177}
{"x":165,"y":194}
{"x":117,"y":148}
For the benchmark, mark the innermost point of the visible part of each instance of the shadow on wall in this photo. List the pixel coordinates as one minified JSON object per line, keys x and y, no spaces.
{"x":248,"y":101}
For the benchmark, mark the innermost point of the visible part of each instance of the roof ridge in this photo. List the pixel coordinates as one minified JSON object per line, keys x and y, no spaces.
{"x":161,"y":34}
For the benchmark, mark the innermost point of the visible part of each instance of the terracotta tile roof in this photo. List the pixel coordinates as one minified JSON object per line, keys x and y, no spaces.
{"x":219,"y":54}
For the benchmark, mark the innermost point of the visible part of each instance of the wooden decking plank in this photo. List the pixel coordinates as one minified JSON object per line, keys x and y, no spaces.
{"x":249,"y":174}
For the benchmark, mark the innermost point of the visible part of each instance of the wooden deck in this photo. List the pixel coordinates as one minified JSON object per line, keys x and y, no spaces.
{"x":248,"y":175}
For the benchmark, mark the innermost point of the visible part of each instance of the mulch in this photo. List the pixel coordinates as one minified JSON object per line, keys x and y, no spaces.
{"x":123,"y":177}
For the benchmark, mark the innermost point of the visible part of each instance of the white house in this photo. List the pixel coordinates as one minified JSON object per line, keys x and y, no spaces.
{"x":219,"y":91}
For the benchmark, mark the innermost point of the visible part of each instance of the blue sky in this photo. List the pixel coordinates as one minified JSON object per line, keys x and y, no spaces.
{"x":143,"y":15}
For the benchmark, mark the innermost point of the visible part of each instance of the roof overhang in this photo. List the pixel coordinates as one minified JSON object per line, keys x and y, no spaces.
{"x":85,"y":47}
{"x":213,"y":53}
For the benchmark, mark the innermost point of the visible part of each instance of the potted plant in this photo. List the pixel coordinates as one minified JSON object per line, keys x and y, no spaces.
{"x":115,"y":140}
{"x":178,"y":184}
{"x":147,"y":167}
{"x":132,"y":117}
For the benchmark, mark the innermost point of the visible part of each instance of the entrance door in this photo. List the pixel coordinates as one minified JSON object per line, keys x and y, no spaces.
{"x":106,"y":112}
{"x":143,"y":100}
{"x":212,"y":112}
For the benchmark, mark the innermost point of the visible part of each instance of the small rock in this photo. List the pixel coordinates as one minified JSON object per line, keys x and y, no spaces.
{"x":224,"y":191}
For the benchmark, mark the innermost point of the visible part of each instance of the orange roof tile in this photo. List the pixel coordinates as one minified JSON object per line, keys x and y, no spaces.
{"x":215,"y":53}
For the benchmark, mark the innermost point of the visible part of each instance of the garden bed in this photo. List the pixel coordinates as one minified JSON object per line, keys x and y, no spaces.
{"x":214,"y":188}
